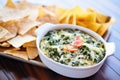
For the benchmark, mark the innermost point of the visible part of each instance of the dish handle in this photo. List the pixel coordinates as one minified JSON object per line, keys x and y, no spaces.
{"x":110,"y":48}
{"x":43,"y":27}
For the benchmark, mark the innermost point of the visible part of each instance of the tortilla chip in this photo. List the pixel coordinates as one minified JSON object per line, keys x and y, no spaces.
{"x":87,"y":17}
{"x":7,"y":37}
{"x":81,"y":23}
{"x":67,"y":19}
{"x":25,"y":25}
{"x":64,"y":15}
{"x":32,"y":31}
{"x":7,"y":14}
{"x":51,"y":10}
{"x":93,"y":26}
{"x":4,"y":44}
{"x":104,"y":27}
{"x":30,"y":44}
{"x":20,"y":54}
{"x":59,"y":12}
{"x":32,"y":52}
{"x":10,"y":4}
{"x":12,"y":30}
{"x":33,"y":14}
{"x":41,"y":12}
{"x":49,"y":19}
{"x":100,"y":18}
{"x":18,"y":41}
{"x":33,"y":9}
{"x":76,"y":10}
{"x":3,"y":32}
{"x":24,"y":4}
{"x":74,"y":19}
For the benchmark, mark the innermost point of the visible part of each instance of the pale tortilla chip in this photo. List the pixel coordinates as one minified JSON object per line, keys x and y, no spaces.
{"x":3,"y":32}
{"x":33,"y":14}
{"x":20,"y":54}
{"x":25,"y":25}
{"x":7,"y":14}
{"x":4,"y":44}
{"x":20,"y":40}
{"x":32,"y":52}
{"x":24,"y":4}
{"x":12,"y":30}
{"x":33,"y":9}
{"x":51,"y":10}
{"x":32,"y":31}
{"x":30,"y":44}
{"x":48,"y":18}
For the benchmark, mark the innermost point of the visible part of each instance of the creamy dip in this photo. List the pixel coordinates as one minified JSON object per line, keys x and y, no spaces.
{"x":72,"y":47}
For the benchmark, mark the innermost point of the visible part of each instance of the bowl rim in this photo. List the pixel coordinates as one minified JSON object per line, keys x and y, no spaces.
{"x":86,"y":30}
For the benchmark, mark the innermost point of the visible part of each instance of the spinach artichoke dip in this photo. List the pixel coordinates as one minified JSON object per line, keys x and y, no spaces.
{"x":72,"y":47}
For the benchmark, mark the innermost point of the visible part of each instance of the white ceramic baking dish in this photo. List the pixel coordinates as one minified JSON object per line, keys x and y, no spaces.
{"x":65,"y":70}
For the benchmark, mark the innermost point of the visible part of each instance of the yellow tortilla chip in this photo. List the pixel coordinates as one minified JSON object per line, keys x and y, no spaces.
{"x":81,"y":23}
{"x":18,"y":41}
{"x":40,"y":12}
{"x":93,"y":26}
{"x":74,"y":19}
{"x":64,"y":15}
{"x":32,"y":52}
{"x":77,"y":10}
{"x":67,"y":19}
{"x":100,"y":18}
{"x":10,"y":4}
{"x":59,"y":12}
{"x":20,"y":54}
{"x":104,"y":27}
{"x":87,"y":17}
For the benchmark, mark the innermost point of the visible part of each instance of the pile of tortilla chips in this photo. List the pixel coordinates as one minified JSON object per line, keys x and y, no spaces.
{"x":88,"y":18}
{"x":18,"y":22}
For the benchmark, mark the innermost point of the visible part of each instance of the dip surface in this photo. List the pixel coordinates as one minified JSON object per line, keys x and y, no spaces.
{"x":72,"y":47}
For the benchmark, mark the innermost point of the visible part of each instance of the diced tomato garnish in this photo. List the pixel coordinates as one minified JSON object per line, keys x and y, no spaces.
{"x":78,"y":42}
{"x":77,"y":38}
{"x":72,"y":50}
{"x":69,"y":48}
